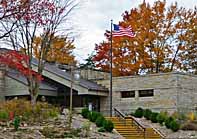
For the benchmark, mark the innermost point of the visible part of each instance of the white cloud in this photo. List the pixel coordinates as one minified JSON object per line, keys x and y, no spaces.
{"x":93,"y":18}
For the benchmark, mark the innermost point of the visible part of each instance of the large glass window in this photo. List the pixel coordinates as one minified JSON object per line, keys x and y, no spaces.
{"x":146,"y":93}
{"x":127,"y":94}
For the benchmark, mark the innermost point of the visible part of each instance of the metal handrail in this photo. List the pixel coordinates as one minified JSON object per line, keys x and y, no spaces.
{"x":138,"y":125}
{"x":119,"y":113}
{"x":158,"y":132}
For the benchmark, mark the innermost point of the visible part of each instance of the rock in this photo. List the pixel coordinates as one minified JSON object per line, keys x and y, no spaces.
{"x":25,"y":125}
{"x":58,"y":128}
{"x":65,"y":111}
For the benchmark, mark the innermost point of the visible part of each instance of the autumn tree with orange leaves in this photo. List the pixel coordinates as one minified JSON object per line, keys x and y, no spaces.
{"x":165,"y":41}
{"x":60,"y":50}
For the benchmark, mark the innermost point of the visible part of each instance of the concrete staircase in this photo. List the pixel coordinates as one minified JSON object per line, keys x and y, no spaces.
{"x":131,"y":129}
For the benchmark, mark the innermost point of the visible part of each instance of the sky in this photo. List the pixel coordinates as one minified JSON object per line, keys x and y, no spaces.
{"x":92,"y":18}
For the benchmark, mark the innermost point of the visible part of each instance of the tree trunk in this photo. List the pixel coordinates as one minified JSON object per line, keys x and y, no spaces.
{"x":33,"y":90}
{"x":33,"y":99}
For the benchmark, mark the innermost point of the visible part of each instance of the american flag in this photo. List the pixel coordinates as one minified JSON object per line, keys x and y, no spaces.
{"x":119,"y":31}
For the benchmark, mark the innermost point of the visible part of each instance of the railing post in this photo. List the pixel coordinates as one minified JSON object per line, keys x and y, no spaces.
{"x":144,"y":133}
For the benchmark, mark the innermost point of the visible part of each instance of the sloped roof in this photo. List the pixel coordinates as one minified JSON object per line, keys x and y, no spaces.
{"x":52,"y":68}
{"x":18,"y":77}
{"x":90,"y":85}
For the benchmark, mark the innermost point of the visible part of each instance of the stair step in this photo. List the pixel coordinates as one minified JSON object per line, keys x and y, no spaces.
{"x":129,"y":131}
{"x":130,"y":135}
{"x":124,"y":128}
{"x":139,"y":138}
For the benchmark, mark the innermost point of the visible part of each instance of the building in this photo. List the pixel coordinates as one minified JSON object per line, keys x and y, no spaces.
{"x":162,"y":91}
{"x":55,"y":87}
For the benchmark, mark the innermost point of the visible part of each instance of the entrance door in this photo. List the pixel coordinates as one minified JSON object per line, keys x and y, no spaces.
{"x":92,"y":100}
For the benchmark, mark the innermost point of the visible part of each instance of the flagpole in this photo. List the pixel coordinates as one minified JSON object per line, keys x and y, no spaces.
{"x":111,"y":71}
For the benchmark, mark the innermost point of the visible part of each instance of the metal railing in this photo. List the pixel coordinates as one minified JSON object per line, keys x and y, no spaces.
{"x":121,"y":116}
{"x":158,"y":132}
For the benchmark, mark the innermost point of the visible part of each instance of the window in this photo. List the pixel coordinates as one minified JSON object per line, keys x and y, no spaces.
{"x":146,"y":93}
{"x":127,"y":94}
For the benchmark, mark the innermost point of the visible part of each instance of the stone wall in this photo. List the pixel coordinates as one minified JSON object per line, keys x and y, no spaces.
{"x":171,"y":92}
{"x":187,"y":96}
{"x":93,"y":74}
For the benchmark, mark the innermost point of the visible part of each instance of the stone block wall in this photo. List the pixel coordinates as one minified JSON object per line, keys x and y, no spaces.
{"x":170,"y":92}
{"x":93,"y":74}
{"x":187,"y":96}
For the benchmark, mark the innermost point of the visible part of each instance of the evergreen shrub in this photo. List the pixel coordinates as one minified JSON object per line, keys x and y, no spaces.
{"x":153,"y":117}
{"x":4,"y":116}
{"x":85,"y":112}
{"x":108,"y":125}
{"x":16,"y":122}
{"x":168,"y":121}
{"x":161,"y":117}
{"x":94,"y":116}
{"x":147,"y":114}
{"x":99,"y":121}
{"x":138,"y":113}
{"x":174,"y":125}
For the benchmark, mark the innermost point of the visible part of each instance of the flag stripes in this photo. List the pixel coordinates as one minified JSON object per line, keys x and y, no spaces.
{"x":121,"y":31}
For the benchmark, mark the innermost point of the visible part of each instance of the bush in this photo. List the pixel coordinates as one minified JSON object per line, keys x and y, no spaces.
{"x":94,"y":116}
{"x":90,"y":116}
{"x":85,"y":112}
{"x":4,"y":116}
{"x":153,"y":117}
{"x":53,"y":112}
{"x":174,"y":125}
{"x":182,"y":117}
{"x":191,"y":116}
{"x":161,"y":117}
{"x":147,"y":114}
{"x":99,"y":121}
{"x":168,"y":121}
{"x":175,"y":115}
{"x":139,"y":113}
{"x":16,"y":122}
{"x":108,"y":125}
{"x":24,"y":109}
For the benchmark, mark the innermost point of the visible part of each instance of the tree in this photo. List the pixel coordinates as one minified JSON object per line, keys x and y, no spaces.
{"x":189,"y":42}
{"x":60,"y":50}
{"x":160,"y":42}
{"x":10,"y":9}
{"x":15,"y":60}
{"x":40,"y":17}
{"x":89,"y":63}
